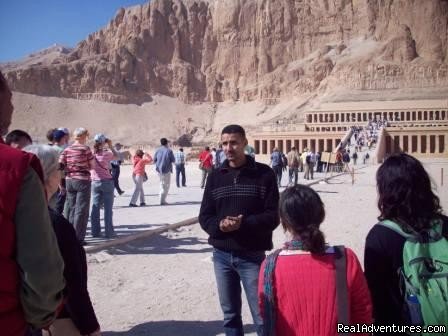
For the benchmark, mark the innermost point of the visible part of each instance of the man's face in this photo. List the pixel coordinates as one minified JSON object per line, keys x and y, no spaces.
{"x":233,"y":145}
{"x":6,"y":109}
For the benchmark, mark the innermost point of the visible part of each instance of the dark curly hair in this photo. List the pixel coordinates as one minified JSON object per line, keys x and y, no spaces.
{"x":301,"y":213}
{"x":405,"y":194}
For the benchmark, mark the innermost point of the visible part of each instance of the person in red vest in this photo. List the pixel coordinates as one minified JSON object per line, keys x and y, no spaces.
{"x":31,"y":266}
{"x":205,"y":164}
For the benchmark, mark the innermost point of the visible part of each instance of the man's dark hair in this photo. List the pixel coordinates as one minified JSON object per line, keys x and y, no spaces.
{"x":405,"y":194}
{"x":232,"y":129}
{"x":16,"y":135}
{"x":163,"y":141}
{"x":181,"y":149}
{"x":50,"y":134}
{"x":207,"y":148}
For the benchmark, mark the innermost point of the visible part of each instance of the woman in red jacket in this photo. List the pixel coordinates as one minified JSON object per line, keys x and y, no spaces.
{"x":297,"y":284}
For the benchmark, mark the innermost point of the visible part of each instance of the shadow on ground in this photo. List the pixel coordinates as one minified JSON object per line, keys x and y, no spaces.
{"x":176,"y":328}
{"x":148,"y":205}
{"x":162,"y":244}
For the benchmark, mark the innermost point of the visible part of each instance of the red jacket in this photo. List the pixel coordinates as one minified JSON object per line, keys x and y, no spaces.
{"x":13,"y":167}
{"x":206,"y":158}
{"x":305,"y":291}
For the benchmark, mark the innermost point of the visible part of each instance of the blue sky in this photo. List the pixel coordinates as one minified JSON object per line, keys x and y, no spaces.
{"x":31,"y":25}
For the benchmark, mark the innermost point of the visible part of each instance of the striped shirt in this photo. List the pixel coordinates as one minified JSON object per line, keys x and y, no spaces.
{"x":102,"y":163}
{"x":179,"y":157}
{"x":76,"y":160}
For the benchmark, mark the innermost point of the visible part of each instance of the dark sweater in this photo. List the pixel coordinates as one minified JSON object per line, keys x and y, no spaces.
{"x":251,"y":191}
{"x":78,"y":306}
{"x":383,"y":256}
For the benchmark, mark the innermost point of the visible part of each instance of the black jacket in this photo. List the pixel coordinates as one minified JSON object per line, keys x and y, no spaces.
{"x":251,"y":191}
{"x":78,"y":305}
{"x":383,"y":256}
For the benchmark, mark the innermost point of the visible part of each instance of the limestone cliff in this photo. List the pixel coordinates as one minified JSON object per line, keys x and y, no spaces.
{"x":250,"y":49}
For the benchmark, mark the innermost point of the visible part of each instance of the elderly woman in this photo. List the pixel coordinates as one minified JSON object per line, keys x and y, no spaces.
{"x":78,"y":161}
{"x":77,"y":316}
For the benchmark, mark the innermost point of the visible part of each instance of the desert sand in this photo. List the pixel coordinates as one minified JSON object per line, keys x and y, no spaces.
{"x":164,"y":285}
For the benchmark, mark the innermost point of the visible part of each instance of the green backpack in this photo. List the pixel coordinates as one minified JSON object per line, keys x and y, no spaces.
{"x":424,"y":275}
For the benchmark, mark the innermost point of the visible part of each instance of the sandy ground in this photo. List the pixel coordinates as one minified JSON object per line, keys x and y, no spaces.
{"x":164,"y":285}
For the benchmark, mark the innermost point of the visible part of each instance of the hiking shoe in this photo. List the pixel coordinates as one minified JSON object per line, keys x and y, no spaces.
{"x":143,"y":204}
{"x":121,"y":192}
{"x":132,"y":205}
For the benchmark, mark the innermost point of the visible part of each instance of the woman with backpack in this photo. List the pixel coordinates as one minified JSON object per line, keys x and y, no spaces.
{"x":409,"y":209}
{"x":302,"y":287}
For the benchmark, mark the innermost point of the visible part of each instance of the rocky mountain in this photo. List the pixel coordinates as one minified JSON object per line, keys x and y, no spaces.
{"x":221,"y":50}
{"x":44,"y":57}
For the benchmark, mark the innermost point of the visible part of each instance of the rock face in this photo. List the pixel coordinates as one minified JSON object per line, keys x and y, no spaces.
{"x":220,"y":50}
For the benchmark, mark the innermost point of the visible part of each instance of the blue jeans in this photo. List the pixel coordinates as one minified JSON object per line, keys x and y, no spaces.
{"x":102,"y":193}
{"x":293,"y":172}
{"x":76,"y":208}
{"x":278,"y":170}
{"x":231,"y":268}
{"x":180,"y":170}
{"x":115,"y":172}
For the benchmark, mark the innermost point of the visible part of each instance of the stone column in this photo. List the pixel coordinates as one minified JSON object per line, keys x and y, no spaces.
{"x":419,"y":144}
{"x":437,"y":145}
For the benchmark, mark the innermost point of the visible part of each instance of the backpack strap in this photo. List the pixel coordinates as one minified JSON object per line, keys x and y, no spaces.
{"x":268,"y":293}
{"x":395,"y":227}
{"x":341,"y":288}
{"x":435,"y":233}
{"x":340,"y":263}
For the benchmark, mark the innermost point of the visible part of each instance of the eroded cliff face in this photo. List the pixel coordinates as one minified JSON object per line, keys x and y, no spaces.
{"x":250,"y":49}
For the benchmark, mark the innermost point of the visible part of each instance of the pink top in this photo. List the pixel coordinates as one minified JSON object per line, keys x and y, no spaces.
{"x":101,"y":168}
{"x":140,"y":163}
{"x":76,"y":160}
{"x":305,"y":291}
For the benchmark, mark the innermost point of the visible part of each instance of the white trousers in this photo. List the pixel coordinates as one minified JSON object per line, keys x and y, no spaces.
{"x":165,"y":180}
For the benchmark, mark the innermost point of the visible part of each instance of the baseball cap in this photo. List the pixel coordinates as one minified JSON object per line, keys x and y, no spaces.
{"x":58,"y":135}
{"x":64,"y":129}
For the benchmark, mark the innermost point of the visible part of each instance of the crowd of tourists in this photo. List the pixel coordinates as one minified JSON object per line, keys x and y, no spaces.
{"x":308,"y":287}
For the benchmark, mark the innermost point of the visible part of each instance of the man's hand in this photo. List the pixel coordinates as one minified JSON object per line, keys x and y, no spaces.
{"x":230,"y":223}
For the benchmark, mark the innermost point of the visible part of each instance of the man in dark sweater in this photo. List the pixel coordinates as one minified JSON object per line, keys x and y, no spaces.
{"x":239,"y":211}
